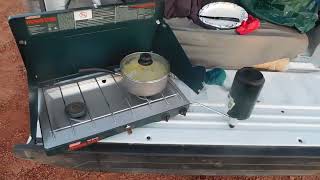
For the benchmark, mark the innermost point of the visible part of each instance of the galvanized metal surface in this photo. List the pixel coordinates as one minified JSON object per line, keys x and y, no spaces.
{"x":287,"y":114}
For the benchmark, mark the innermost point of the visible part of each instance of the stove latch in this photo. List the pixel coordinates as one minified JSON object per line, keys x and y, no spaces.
{"x":79,"y":145}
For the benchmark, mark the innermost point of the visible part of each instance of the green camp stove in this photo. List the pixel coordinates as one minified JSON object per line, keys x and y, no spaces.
{"x":76,"y":110}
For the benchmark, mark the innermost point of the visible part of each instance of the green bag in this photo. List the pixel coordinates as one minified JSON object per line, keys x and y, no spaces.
{"x":301,"y":14}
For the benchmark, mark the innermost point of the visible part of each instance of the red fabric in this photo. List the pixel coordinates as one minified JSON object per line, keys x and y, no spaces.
{"x":248,"y":26}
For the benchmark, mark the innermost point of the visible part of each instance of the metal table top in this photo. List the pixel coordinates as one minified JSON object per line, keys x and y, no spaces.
{"x":287,"y":114}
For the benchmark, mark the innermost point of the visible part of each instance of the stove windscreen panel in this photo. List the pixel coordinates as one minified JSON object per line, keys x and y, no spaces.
{"x":69,"y":43}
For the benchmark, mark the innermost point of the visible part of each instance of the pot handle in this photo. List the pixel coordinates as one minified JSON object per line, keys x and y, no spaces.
{"x":94,"y":70}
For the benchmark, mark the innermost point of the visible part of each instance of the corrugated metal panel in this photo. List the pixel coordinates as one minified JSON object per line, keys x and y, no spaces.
{"x":288,"y":114}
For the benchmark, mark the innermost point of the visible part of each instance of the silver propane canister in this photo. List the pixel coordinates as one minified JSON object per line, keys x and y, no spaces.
{"x":244,"y":93}
{"x":53,"y":5}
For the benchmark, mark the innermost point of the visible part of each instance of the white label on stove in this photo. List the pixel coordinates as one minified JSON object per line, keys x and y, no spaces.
{"x":83,"y":15}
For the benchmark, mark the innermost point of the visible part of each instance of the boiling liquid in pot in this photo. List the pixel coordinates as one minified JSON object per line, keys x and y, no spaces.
{"x":135,"y":71}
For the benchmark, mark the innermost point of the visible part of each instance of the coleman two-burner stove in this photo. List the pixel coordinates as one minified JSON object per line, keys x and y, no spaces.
{"x":76,"y":110}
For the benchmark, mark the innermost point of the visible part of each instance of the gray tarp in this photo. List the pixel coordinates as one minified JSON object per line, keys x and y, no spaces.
{"x":224,"y":48}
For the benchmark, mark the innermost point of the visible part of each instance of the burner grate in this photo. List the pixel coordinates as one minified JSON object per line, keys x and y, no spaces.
{"x":103,"y":96}
{"x":110,"y":109}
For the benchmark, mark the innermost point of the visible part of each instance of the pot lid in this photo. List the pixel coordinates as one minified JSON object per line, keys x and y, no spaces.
{"x":222,"y":15}
{"x":144,"y":67}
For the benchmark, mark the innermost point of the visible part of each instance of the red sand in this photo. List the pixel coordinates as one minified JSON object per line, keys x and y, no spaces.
{"x":14,"y":119}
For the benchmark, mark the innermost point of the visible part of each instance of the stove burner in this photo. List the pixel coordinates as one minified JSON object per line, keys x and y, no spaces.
{"x":76,"y":110}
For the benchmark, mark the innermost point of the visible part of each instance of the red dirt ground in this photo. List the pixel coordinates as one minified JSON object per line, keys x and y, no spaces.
{"x":14,"y":119}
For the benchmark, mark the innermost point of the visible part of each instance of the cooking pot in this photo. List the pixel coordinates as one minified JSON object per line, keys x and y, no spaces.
{"x":144,"y":73}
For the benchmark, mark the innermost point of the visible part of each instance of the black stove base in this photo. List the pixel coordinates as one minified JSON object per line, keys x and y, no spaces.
{"x":185,"y":160}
